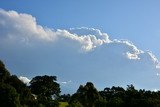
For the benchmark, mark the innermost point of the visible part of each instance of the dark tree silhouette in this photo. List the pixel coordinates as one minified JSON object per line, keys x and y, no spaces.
{"x":45,"y":88}
{"x":8,"y":96}
{"x":4,"y":73}
{"x":87,"y":95}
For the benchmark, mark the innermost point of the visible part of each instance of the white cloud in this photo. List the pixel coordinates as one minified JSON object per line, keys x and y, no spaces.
{"x":25,"y":80}
{"x":24,"y":28}
{"x":84,"y":31}
{"x":20,"y":27}
{"x":133,"y":52}
{"x":88,"y":42}
{"x":65,"y":82}
{"x":102,"y":53}
{"x":132,"y":56}
{"x":153,"y":57}
{"x":157,"y":74}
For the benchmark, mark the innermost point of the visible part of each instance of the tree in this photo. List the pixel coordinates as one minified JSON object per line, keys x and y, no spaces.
{"x":87,"y":95}
{"x":25,"y":95}
{"x":45,"y":88}
{"x":65,"y":97}
{"x":4,"y":74}
{"x":8,"y":96}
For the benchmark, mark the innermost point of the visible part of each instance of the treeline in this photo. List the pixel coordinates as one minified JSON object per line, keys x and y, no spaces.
{"x":44,"y":91}
{"x":88,"y":96}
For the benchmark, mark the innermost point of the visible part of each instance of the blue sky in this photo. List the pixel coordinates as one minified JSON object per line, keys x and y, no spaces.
{"x":111,"y":42}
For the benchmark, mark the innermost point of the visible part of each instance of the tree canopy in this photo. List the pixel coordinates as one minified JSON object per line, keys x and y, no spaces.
{"x":4,"y":73}
{"x":14,"y":93}
{"x":45,"y":88}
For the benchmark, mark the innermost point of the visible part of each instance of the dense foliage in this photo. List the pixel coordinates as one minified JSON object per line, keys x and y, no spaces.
{"x":88,"y":96}
{"x":45,"y":88}
{"x":40,"y":93}
{"x":44,"y":91}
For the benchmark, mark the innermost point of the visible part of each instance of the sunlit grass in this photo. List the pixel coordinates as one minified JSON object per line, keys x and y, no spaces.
{"x":63,"y":104}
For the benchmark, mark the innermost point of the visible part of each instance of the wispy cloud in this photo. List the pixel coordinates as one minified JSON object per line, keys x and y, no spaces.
{"x":65,"y":82}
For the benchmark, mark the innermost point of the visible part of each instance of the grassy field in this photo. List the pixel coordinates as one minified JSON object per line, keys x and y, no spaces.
{"x":63,"y":104}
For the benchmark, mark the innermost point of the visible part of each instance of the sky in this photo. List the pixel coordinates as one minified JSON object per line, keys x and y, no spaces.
{"x":107,"y":42}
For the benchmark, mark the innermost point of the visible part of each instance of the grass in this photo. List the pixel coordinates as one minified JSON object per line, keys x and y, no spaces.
{"x":63,"y":104}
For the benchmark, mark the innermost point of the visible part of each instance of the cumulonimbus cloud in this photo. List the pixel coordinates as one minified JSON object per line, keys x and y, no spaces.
{"x":24,"y":28}
{"x":21,"y":27}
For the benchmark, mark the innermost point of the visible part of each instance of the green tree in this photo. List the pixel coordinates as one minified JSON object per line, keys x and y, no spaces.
{"x":115,"y":102}
{"x":26,"y":97}
{"x":45,"y":88}
{"x":65,"y":97}
{"x":4,"y":73}
{"x":8,"y":96}
{"x":87,"y":95}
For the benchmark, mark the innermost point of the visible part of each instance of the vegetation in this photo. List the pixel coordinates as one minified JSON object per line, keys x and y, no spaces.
{"x":63,"y":104}
{"x":44,"y":91}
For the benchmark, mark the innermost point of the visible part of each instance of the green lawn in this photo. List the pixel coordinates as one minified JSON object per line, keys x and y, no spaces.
{"x":63,"y":104}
